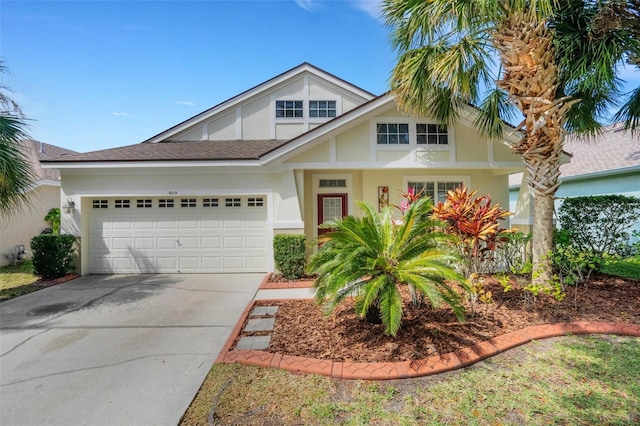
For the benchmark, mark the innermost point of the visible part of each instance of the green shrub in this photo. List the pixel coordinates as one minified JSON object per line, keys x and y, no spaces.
{"x":516,"y":253}
{"x":52,"y":254}
{"x":600,"y":223}
{"x":288,"y":250}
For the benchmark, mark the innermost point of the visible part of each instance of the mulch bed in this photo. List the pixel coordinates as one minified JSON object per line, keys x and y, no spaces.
{"x":56,"y":281}
{"x":301,"y":329}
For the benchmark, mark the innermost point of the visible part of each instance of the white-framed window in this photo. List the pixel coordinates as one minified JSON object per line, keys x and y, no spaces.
{"x":210,"y":202}
{"x":289,"y":109}
{"x":100,"y":204}
{"x":432,"y":134}
{"x":188,"y":202}
{"x":165,"y":203}
{"x":435,"y":187}
{"x":392,"y":133}
{"x":232,"y":202}
{"x":255,"y":202}
{"x":144,"y":204}
{"x":122,"y":204}
{"x":322,"y":109}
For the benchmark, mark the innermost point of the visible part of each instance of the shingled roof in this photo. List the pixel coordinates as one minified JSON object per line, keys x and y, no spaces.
{"x":612,"y":150}
{"x":179,"y":151}
{"x":40,"y":152}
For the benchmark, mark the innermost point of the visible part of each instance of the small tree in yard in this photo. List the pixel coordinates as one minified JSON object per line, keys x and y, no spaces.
{"x":53,"y":216}
{"x":373,"y":256}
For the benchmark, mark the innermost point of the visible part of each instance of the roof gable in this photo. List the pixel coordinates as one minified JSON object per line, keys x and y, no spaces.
{"x":226,"y":108}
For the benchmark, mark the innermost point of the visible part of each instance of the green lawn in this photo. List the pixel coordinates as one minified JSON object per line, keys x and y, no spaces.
{"x":626,"y":268}
{"x":577,"y":380}
{"x":16,"y":280}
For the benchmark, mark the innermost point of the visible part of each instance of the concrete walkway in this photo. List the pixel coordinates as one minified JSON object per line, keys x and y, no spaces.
{"x":115,"y":350}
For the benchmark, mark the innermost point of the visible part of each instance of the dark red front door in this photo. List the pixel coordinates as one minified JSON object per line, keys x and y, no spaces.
{"x":330,"y":206}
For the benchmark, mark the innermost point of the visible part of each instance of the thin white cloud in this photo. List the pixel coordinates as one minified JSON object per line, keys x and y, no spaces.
{"x":371,"y":7}
{"x":122,"y":114}
{"x":187,"y":103}
{"x":307,"y":5}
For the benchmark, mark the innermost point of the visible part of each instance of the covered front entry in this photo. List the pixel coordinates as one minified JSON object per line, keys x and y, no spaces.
{"x":178,"y":235}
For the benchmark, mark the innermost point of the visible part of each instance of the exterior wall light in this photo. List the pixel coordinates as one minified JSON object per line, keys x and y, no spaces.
{"x":69,"y":206}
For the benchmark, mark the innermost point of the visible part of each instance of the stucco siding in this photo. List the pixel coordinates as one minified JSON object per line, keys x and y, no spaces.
{"x":255,"y":116}
{"x":224,"y":128}
{"x":20,"y":227}
{"x":321,"y":152}
{"x":354,"y":144}
{"x":470,"y":147}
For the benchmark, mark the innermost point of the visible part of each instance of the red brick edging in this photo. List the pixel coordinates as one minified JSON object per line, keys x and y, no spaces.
{"x":266,"y":285}
{"x":423,"y":367}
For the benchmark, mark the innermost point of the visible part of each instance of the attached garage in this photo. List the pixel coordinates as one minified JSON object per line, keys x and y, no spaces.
{"x":204,"y":234}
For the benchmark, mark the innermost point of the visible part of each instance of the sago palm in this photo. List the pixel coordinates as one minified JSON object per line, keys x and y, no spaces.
{"x":501,"y":54}
{"x":373,"y":256}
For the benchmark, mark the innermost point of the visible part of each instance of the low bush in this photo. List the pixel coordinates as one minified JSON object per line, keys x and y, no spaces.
{"x":288,"y":250}
{"x":52,"y":254}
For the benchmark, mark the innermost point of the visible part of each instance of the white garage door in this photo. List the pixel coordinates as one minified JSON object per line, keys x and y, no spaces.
{"x":178,"y":235}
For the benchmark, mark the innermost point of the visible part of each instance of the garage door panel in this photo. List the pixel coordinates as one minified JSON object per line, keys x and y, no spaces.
{"x":211,"y":243}
{"x":211,"y":224}
{"x":121,"y":243}
{"x":143,"y":243}
{"x":212,"y":263}
{"x":166,"y":243}
{"x":187,"y":243}
{"x":256,"y":262}
{"x":256,"y":242}
{"x":180,"y":239}
{"x":233,"y":263}
{"x":232,"y":243}
{"x":144,"y":225}
{"x":166,"y":224}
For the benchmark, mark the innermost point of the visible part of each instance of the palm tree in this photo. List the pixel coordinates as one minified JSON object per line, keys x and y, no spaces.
{"x":448,"y":52}
{"x":16,"y":171}
{"x":372,"y":256}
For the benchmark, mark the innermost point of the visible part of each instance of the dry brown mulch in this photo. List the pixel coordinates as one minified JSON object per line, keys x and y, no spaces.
{"x":301,"y":329}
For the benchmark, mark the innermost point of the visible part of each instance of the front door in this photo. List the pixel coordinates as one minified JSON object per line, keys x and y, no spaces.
{"x":330,"y":207}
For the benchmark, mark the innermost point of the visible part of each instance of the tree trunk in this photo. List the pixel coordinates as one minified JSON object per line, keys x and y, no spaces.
{"x":542,"y":238}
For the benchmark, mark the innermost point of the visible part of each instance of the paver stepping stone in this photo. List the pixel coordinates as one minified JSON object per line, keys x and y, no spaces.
{"x":262,"y":311}
{"x":260,"y":324}
{"x":257,"y":343}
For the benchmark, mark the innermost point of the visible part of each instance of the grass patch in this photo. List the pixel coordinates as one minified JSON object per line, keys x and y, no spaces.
{"x":625,"y":268}
{"x":577,"y":380}
{"x":16,"y":280}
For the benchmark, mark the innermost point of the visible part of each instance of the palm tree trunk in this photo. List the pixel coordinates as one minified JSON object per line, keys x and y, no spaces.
{"x":530,"y":77}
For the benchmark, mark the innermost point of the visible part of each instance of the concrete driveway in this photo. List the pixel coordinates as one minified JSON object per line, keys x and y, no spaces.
{"x":115,"y":350}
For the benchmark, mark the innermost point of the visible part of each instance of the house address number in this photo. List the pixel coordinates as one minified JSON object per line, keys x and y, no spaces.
{"x":173,"y":192}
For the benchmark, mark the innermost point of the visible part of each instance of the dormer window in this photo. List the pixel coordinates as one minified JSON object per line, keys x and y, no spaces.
{"x":393,"y":134}
{"x":289,"y":109}
{"x":432,"y":134}
{"x":322,"y":109}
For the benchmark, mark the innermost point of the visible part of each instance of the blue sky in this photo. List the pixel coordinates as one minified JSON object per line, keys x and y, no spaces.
{"x":99,"y":74}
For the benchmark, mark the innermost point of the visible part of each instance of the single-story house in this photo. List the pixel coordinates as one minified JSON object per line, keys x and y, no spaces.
{"x":17,"y":228}
{"x":606,"y":164}
{"x":210,"y":193}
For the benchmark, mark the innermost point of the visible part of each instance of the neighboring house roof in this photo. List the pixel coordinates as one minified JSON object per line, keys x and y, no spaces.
{"x":612,"y":151}
{"x":38,"y":152}
{"x":179,"y":151}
